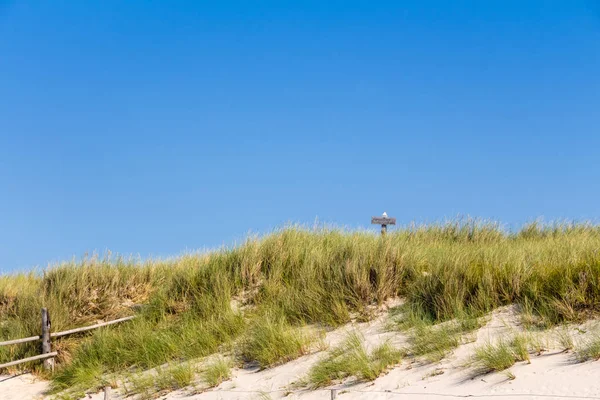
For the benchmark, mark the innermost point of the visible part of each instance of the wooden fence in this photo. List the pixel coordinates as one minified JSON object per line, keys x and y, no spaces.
{"x":46,"y":337}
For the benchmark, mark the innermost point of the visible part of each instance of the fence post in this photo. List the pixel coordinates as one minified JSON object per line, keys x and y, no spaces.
{"x":107,"y":392}
{"x":46,"y":345}
{"x":333,"y":394}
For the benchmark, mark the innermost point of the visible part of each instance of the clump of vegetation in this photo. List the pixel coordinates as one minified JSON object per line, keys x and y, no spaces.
{"x":499,"y":356}
{"x":216,"y":372}
{"x":589,"y":348}
{"x":147,"y":385}
{"x":531,"y":319}
{"x":520,"y":345}
{"x":320,"y":276}
{"x":179,"y":376}
{"x":564,"y":339}
{"x":270,"y":340}
{"x":494,"y":357}
{"x":509,"y":375}
{"x":351,"y":358}
{"x":431,"y":341}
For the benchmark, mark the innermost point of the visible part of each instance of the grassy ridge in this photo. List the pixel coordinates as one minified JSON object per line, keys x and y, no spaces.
{"x":198,"y":304}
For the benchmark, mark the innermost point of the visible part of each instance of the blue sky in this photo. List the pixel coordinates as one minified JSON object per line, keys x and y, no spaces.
{"x":154,"y":127}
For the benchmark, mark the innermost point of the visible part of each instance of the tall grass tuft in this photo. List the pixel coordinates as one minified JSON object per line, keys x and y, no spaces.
{"x":504,"y":354}
{"x":351,"y":358}
{"x":428,"y":340}
{"x":216,"y":372}
{"x":148,"y":385}
{"x":270,"y":340}
{"x":589,"y":349}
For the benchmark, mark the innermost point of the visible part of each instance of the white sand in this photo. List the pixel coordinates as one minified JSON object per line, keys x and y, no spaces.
{"x":549,"y":376}
{"x":21,"y":387}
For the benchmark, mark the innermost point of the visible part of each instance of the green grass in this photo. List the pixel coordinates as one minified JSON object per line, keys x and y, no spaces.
{"x":144,"y":344}
{"x":178,"y":376}
{"x":564,"y":339}
{"x":216,"y":372}
{"x":433,"y":343}
{"x":148,"y":385}
{"x":270,"y":340}
{"x":499,"y":356}
{"x":494,"y":357}
{"x":381,"y":358}
{"x":589,"y":348}
{"x":351,"y":358}
{"x":520,"y":345}
{"x":320,"y":276}
{"x":429,"y":341}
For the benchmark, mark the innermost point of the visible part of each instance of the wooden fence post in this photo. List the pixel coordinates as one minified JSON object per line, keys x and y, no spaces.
{"x":46,"y":344}
{"x":107,"y":392}
{"x":333,"y":394}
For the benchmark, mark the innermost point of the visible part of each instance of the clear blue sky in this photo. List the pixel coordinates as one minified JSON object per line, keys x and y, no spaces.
{"x":154,"y":127}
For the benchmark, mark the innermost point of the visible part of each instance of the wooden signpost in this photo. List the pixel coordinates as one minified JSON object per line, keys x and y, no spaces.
{"x":384,"y":221}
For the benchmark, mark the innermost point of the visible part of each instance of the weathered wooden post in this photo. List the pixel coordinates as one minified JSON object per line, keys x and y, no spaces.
{"x":333,"y":394}
{"x":384,"y":221}
{"x":107,"y":393}
{"x":46,"y":344}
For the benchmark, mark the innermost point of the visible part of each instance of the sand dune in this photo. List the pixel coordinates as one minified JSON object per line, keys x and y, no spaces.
{"x":551,"y":375}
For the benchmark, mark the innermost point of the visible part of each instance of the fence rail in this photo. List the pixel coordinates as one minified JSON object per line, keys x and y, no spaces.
{"x":28,"y":359}
{"x":17,"y":341}
{"x":47,"y":353}
{"x":89,"y":328}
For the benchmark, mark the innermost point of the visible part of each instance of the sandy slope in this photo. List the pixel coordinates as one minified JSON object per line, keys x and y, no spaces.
{"x":21,"y":387}
{"x":549,"y":375}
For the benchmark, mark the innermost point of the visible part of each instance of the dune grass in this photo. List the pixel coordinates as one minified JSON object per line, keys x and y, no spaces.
{"x":564,"y":339}
{"x":494,"y":357}
{"x":428,"y":339}
{"x":145,"y":343}
{"x":270,"y":340}
{"x":216,"y":372}
{"x":199,"y":304}
{"x":520,"y":346}
{"x":351,"y":358}
{"x":149,"y":385}
{"x":589,"y":348}
{"x":434,"y":342}
{"x":499,"y":356}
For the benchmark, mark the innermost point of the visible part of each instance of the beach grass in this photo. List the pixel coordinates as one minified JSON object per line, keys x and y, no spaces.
{"x":494,"y":357}
{"x":503,"y":354}
{"x":433,"y":342}
{"x":200,"y":304}
{"x":216,"y":372}
{"x":352,"y":359}
{"x":148,"y":385}
{"x":589,"y":348}
{"x":271,"y":340}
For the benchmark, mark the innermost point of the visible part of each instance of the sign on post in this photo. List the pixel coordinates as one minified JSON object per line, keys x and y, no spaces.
{"x":384,"y":221}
